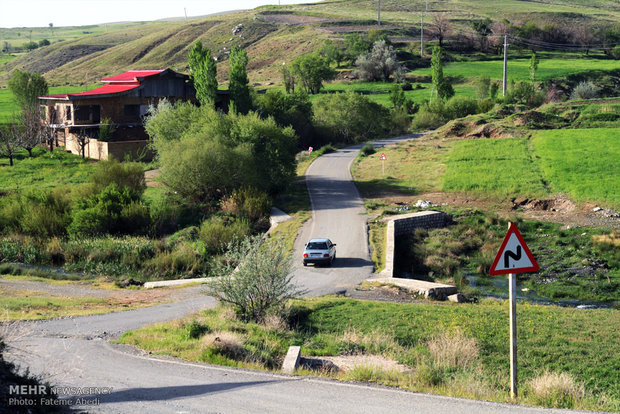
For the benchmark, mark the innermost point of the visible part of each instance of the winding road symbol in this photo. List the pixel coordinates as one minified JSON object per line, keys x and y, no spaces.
{"x":513,"y":256}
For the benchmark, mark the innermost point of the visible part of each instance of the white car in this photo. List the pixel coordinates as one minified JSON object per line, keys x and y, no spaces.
{"x":319,"y":251}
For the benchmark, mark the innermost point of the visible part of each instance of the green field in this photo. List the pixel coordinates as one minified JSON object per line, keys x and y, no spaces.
{"x":500,"y":166}
{"x":582,"y":343}
{"x":518,"y":69}
{"x":581,"y":162}
{"x":584,"y":163}
{"x":8,"y":107}
{"x":44,"y":171}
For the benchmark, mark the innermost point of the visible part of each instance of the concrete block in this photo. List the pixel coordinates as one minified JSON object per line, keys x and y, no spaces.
{"x":291,"y":361}
{"x":457,"y":298}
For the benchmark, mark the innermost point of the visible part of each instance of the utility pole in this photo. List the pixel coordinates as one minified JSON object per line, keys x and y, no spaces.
{"x":505,"y":84}
{"x":422,"y":35}
{"x":185,"y":10}
{"x":379,"y":19}
{"x":426,"y":5}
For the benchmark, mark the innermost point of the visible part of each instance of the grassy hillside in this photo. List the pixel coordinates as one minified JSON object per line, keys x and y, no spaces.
{"x":271,"y":34}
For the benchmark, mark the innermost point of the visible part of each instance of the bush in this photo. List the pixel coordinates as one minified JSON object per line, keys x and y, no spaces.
{"x":379,"y":64}
{"x":247,"y":202}
{"x":367,"y":150}
{"x":217,"y":232}
{"x":425,"y":120}
{"x":255,"y":279}
{"x":459,"y":107}
{"x":46,"y":213}
{"x":482,"y":87}
{"x":123,"y":174}
{"x":350,"y":117}
{"x":585,"y":90}
{"x":524,"y":93}
{"x":485,"y":105}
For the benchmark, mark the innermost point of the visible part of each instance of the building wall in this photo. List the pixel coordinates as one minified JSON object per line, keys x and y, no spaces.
{"x":100,"y":150}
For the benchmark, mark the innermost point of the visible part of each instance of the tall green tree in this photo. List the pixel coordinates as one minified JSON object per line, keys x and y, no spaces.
{"x":312,"y":70}
{"x":204,"y":74}
{"x":441,"y":86}
{"x":238,"y":81}
{"x":27,"y":87}
{"x":533,"y":67}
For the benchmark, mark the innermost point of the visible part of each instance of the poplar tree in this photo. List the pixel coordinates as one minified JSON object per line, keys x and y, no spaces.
{"x":204,"y":74}
{"x":238,"y":81}
{"x":442,"y":87}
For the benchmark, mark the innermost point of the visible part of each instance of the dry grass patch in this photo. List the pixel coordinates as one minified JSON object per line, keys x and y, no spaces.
{"x":225,"y":343}
{"x":556,"y":390}
{"x":453,"y":350}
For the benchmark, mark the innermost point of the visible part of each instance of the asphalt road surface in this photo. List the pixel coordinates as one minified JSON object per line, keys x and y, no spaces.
{"x":75,"y":352}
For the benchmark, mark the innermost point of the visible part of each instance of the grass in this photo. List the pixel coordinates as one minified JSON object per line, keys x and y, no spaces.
{"x":9,"y":108}
{"x":503,"y":167}
{"x":44,"y":170}
{"x":459,"y":350}
{"x":581,"y":162}
{"x":33,"y":305}
{"x":518,"y":69}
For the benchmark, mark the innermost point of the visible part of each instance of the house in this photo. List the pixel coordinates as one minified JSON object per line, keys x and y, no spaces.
{"x":122,"y":102}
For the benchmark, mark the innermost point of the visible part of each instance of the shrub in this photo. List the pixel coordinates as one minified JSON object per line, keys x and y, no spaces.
{"x":459,"y":107}
{"x":255,"y":279}
{"x":135,"y":218}
{"x":585,"y":90}
{"x":217,"y":232}
{"x":247,"y":202}
{"x":485,"y":105}
{"x":367,"y":150}
{"x":556,"y":390}
{"x":350,"y":117}
{"x":46,"y":213}
{"x":524,"y":93}
{"x":425,"y":120}
{"x":380,"y":63}
{"x":482,"y":86}
{"x":123,"y":174}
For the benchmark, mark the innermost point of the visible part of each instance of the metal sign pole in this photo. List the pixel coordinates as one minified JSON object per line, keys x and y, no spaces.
{"x":383,"y":169}
{"x":512,"y":283}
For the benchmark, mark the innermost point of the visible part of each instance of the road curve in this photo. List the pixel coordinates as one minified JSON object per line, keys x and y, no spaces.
{"x":75,"y":352}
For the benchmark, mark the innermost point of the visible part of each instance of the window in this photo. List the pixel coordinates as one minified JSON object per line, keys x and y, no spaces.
{"x":68,"y":113}
{"x":88,"y":113}
{"x":132,"y":111}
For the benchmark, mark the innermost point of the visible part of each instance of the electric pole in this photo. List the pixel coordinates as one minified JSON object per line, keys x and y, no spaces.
{"x":379,"y":19}
{"x":505,"y":84}
{"x":422,"y":35}
{"x":185,"y":10}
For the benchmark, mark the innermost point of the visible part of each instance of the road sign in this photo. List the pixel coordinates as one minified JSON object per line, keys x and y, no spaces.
{"x":383,"y":157}
{"x":310,"y":149}
{"x":513,"y":256}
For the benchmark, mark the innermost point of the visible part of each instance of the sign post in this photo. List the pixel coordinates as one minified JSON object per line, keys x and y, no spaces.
{"x":513,"y":257}
{"x":383,"y":159}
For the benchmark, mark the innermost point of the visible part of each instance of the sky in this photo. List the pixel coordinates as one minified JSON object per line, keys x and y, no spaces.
{"x":40,"y":13}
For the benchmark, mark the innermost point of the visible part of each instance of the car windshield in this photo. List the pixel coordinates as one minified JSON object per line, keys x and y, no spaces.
{"x":317,"y":246}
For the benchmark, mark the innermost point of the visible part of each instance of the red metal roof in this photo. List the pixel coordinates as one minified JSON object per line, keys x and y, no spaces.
{"x":132,"y":76}
{"x":102,"y":90}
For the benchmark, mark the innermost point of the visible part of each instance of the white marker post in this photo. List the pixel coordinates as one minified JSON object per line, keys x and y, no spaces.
{"x":383,"y":159}
{"x":511,"y":260}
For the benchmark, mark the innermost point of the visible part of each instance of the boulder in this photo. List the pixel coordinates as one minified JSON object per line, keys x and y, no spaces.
{"x":457,"y":298}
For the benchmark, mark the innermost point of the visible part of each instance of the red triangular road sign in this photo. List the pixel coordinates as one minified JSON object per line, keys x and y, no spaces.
{"x":513,"y":256}
{"x":382,"y":157}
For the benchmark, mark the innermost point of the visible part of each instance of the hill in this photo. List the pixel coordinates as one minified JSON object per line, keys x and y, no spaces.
{"x":271,"y":34}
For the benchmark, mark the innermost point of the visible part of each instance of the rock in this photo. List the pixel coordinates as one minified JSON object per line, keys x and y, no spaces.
{"x":595,"y":209}
{"x":457,"y":298}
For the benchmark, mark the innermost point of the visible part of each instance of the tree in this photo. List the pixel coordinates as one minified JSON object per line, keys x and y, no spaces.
{"x":27,"y":87}
{"x":293,"y":110}
{"x":287,"y":79}
{"x":239,"y":82}
{"x":44,"y":42}
{"x":379,"y":64}
{"x":204,"y":74}
{"x":256,"y":279}
{"x":482,"y":86}
{"x":32,"y":131}
{"x":483,"y":28}
{"x":10,"y":139}
{"x":332,"y":52}
{"x":533,"y":67}
{"x":397,"y":97}
{"x":312,"y":70}
{"x":441,"y":86}
{"x":355,"y":45}
{"x":440,"y":28}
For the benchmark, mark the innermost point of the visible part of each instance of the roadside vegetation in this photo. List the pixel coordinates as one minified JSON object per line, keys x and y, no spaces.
{"x":458,"y":350}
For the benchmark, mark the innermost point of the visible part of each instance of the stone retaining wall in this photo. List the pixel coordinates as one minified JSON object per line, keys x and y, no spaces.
{"x":405,"y":224}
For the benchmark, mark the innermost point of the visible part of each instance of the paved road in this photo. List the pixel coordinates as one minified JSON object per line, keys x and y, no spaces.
{"x":75,"y":352}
